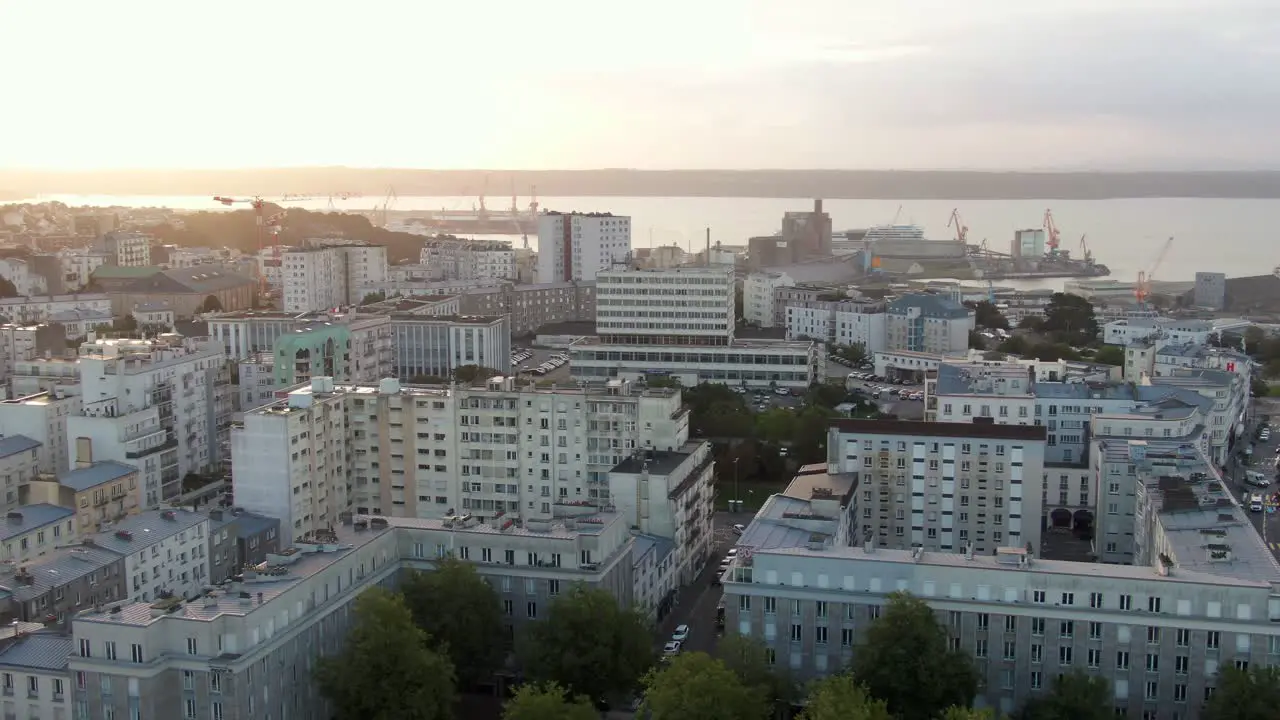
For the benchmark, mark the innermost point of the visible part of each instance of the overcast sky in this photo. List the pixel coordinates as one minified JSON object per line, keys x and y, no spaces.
{"x":1125,"y":84}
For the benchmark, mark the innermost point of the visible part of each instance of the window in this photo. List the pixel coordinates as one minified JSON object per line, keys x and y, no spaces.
{"x":1064,"y":655}
{"x":135,"y":651}
{"x":980,"y":648}
{"x":1068,"y":598}
{"x":820,"y":635}
{"x":1153,"y":662}
{"x":553,"y":587}
{"x":770,"y":605}
{"x":1010,"y":649}
{"x":189,"y":708}
{"x":1037,"y":596}
{"x":1183,"y":637}
{"x":1153,"y":604}
{"x":1153,"y":635}
{"x":1037,"y":680}
{"x":795,"y":632}
{"x":1095,"y":631}
{"x":1122,"y":660}
{"x":1037,"y":652}
{"x":33,"y":686}
{"x":1126,"y":602}
{"x":1180,"y":664}
{"x":191,"y":646}
{"x":111,"y":650}
{"x":1010,"y":623}
{"x":1037,"y":626}
{"x":1066,"y":629}
{"x":1095,"y":657}
{"x":533,"y":610}
{"x":846,"y":637}
{"x":1153,"y":689}
{"x":1095,"y":600}
{"x":1213,"y":640}
{"x":984,"y":620}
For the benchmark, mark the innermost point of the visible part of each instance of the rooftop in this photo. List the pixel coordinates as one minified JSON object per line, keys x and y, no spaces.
{"x":96,"y":474}
{"x":146,"y":529}
{"x":934,"y":306}
{"x":734,"y":345}
{"x":941,"y":429}
{"x":38,"y":650}
{"x":656,"y":462}
{"x":14,"y":444}
{"x":26,"y":518}
{"x":813,"y":482}
{"x":661,"y":546}
{"x":56,"y":569}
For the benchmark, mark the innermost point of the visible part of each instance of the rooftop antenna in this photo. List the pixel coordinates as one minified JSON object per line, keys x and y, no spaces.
{"x":708,"y":263}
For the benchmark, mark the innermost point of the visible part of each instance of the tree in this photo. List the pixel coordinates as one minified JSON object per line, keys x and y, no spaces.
{"x":1109,"y":355}
{"x":854,"y":353}
{"x":1074,"y":696}
{"x":747,"y":658}
{"x":211,"y":304}
{"x":1031,"y":322}
{"x":976,"y":341}
{"x":1069,"y":318}
{"x":386,"y":670}
{"x":906,"y":662}
{"x":472,"y":373}
{"x":696,"y":686}
{"x":838,"y":697}
{"x":987,"y":315}
{"x":1253,"y":338}
{"x":547,"y":701}
{"x":455,"y":606}
{"x":963,"y":713}
{"x":7,"y":288}
{"x":589,"y":644}
{"x":373,"y":297}
{"x":1252,"y":694}
{"x":776,"y":425}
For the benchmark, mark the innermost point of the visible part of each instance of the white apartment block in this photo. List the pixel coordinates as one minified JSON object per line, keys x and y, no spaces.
{"x":42,"y":417}
{"x":745,"y":363}
{"x":25,"y":282}
{"x":154,"y":405}
{"x":577,"y":246}
{"x":1202,"y":594}
{"x":757,"y":296}
{"x":943,"y":486}
{"x":19,"y":464}
{"x":670,"y":494}
{"x":841,"y":323}
{"x":695,"y":304}
{"x":492,"y":451}
{"x":126,"y":248}
{"x":33,"y":669}
{"x":42,"y":308}
{"x":78,"y":265}
{"x":1162,"y":330}
{"x":425,"y":288}
{"x":330,"y":276}
{"x":165,"y":553}
{"x":928,"y":324}
{"x":206,"y":657}
{"x":451,"y":258}
{"x":257,"y":385}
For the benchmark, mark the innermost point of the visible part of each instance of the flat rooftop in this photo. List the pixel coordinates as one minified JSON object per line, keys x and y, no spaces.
{"x":735,"y":345}
{"x":941,"y":429}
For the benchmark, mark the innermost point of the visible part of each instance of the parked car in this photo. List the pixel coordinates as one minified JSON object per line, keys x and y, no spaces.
{"x":681,"y":634}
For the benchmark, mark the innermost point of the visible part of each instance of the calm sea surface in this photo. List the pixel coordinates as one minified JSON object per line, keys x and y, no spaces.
{"x":1231,"y":236}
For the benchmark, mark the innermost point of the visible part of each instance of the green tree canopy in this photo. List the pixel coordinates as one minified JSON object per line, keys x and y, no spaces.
{"x":589,"y":644}
{"x":696,"y":686}
{"x":373,"y":297}
{"x":547,"y":701}
{"x":838,"y":697}
{"x":747,"y":657}
{"x":963,"y":713}
{"x":987,"y":315}
{"x":473,"y":373}
{"x":211,"y":304}
{"x":1074,"y":696}
{"x":455,"y":606}
{"x":1109,"y":355}
{"x":906,"y":662}
{"x":386,"y":670}
{"x":1252,"y":694}
{"x":1070,"y":319}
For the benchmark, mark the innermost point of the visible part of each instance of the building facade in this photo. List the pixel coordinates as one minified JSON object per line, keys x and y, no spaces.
{"x":533,"y":306}
{"x":326,"y":277}
{"x":757,"y":296}
{"x":126,"y":248}
{"x":576,"y":246}
{"x":450,"y":258}
{"x":928,"y":324}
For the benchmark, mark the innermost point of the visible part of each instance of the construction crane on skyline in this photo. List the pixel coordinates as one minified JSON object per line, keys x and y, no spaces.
{"x":1051,"y":229}
{"x":962,"y":231}
{"x":1143,"y":289}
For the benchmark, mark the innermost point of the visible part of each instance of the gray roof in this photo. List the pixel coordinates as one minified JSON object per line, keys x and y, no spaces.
{"x":14,"y":444}
{"x":95,"y":475}
{"x":931,"y":306}
{"x":147,"y":528}
{"x":29,"y":517}
{"x":661,"y":546}
{"x":59,"y":568}
{"x":1193,"y":350}
{"x":249,"y":524}
{"x":41,"y":650}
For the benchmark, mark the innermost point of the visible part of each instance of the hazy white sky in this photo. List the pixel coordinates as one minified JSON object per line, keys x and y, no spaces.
{"x":655,"y":84}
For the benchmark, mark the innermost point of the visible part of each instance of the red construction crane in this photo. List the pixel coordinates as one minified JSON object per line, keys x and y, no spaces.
{"x":1051,"y":228}
{"x":259,"y":207}
{"x":1143,"y":289}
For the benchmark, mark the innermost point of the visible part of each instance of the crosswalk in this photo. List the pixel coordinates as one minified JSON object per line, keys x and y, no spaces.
{"x":1275,"y":546}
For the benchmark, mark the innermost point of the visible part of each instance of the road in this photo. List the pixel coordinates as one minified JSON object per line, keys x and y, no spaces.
{"x":696,"y":604}
{"x":1263,"y":461}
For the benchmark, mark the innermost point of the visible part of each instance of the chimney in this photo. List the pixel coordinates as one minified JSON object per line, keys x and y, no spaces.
{"x":817,"y":206}
{"x":708,"y":247}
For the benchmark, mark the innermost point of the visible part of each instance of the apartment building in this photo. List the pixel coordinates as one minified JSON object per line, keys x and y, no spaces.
{"x":758,"y":293}
{"x":419,"y":305}
{"x":435,"y":346}
{"x":42,"y":416}
{"x":33,"y":675}
{"x":844,"y":322}
{"x":425,"y":288}
{"x":943,"y":486}
{"x":238,"y":540}
{"x":19,"y":464}
{"x":32,"y":531}
{"x":353,"y":347}
{"x":452,"y":258}
{"x":533,"y":306}
{"x":26,"y":281}
{"x":680,"y":323}
{"x":67,"y":580}
{"x":498,"y":449}
{"x":1167,"y":330}
{"x":576,"y":246}
{"x":330,"y":276}
{"x":929,"y":324}
{"x":38,"y":309}
{"x":159,"y":405}
{"x":165,"y":553}
{"x":101,"y":493}
{"x":205,"y":658}
{"x":1158,"y":630}
{"x":19,"y":342}
{"x":670,"y":494}
{"x":126,"y":248}
{"x":257,"y":385}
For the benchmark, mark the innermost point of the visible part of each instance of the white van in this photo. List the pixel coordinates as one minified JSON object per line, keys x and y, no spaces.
{"x":1255,"y":502}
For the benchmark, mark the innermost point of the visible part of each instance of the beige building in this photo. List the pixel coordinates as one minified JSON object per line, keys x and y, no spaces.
{"x":19,"y":464}
{"x":533,"y":306}
{"x":100,"y":493}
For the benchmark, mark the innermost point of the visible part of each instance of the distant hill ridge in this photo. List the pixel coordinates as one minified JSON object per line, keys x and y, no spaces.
{"x":835,"y":184}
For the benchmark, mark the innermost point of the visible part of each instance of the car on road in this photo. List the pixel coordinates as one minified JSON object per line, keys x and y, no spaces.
{"x":781,"y":391}
{"x":1255,"y":502}
{"x":681,"y":634}
{"x":671,"y":649}
{"x":1257,"y":479}
{"x":739,"y":528}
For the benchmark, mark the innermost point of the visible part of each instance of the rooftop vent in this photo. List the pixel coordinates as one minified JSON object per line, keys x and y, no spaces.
{"x":124,"y":535}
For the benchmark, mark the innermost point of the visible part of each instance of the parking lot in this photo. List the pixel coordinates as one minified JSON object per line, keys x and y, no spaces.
{"x":537,"y":357}
{"x":889,"y":402}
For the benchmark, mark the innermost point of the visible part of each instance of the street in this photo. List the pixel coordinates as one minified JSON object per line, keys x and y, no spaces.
{"x":1262,"y":461}
{"x":696,"y":604}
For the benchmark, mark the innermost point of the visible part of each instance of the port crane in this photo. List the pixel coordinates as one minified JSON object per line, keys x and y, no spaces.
{"x":1085,"y":253}
{"x":1143,"y":289}
{"x":1051,"y":229}
{"x":962,"y":230}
